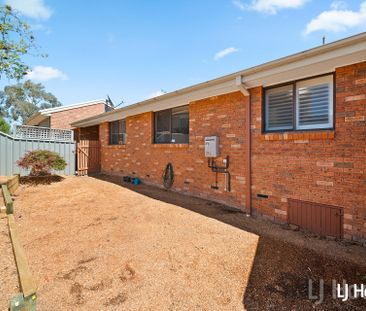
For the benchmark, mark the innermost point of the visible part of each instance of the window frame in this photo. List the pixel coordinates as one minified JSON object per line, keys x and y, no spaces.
{"x":170,"y":126}
{"x":295,"y":128}
{"x":124,"y":134}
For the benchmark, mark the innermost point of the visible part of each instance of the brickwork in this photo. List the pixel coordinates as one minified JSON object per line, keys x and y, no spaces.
{"x":87,"y":133}
{"x":320,"y":166}
{"x":222,"y":115}
{"x":63,"y":119}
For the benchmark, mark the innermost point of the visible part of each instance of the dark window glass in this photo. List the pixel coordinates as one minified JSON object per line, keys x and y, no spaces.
{"x":163,"y":121}
{"x":172,"y":126}
{"x":162,"y":137}
{"x":117,"y":132}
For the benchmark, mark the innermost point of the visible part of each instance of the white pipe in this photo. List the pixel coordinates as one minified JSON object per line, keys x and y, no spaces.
{"x":239,"y":83}
{"x":225,"y":186}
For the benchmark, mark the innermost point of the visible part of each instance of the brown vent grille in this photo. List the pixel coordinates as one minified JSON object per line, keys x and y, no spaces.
{"x":322,"y":219}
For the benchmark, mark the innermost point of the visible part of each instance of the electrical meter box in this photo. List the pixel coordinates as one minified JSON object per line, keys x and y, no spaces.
{"x":211,"y":146}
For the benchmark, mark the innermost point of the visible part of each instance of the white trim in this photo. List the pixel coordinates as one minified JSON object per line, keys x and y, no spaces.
{"x":316,"y":61}
{"x":241,"y":86}
{"x":158,"y":104}
{"x":49,"y":111}
{"x":303,"y":68}
{"x":41,"y":115}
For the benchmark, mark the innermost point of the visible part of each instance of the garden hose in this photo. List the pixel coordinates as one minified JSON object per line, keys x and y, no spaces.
{"x":168,"y":176}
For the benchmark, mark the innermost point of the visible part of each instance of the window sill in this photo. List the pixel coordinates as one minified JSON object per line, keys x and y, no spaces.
{"x":301,"y":136}
{"x":117,"y":146}
{"x":174,"y":146}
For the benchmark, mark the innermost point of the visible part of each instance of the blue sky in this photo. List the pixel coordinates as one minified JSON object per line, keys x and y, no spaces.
{"x":131,"y":50}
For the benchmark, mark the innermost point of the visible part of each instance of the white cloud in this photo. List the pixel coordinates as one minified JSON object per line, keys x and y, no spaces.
{"x":44,"y":73}
{"x":239,"y":5}
{"x":338,"y":5}
{"x":225,"y":52}
{"x":337,"y":19}
{"x":156,"y":94}
{"x":269,"y":6}
{"x":31,"y":8}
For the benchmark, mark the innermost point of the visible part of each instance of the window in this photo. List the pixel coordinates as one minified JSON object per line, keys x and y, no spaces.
{"x":117,"y":132}
{"x":279,"y":108}
{"x":172,"y":126}
{"x":302,"y":105}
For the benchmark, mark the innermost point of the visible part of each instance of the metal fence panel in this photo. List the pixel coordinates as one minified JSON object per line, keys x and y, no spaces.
{"x":12,"y":149}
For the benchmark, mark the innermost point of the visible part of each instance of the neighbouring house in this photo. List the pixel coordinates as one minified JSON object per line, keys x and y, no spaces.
{"x":293,"y":129}
{"x":62,"y":117}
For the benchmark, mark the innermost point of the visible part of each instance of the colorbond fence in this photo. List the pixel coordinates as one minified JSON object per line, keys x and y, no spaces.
{"x":12,"y":149}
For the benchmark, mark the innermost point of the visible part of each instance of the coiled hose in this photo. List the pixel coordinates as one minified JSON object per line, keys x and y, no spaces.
{"x":168,"y":176}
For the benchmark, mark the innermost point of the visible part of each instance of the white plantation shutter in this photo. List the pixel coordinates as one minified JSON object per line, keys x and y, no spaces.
{"x":314,"y":103}
{"x":279,"y":108}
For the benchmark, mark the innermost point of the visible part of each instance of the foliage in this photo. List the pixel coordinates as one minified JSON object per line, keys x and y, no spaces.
{"x":4,"y":127}
{"x":41,"y":162}
{"x":16,"y":40}
{"x":22,"y":100}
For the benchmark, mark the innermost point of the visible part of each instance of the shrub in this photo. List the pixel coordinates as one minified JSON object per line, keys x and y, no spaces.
{"x":4,"y":127}
{"x":41,"y":162}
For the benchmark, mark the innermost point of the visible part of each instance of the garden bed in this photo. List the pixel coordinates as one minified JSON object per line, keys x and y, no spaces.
{"x":40,"y":180}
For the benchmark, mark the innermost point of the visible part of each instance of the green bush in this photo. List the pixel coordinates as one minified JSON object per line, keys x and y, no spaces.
{"x":4,"y":127}
{"x":41,"y":162}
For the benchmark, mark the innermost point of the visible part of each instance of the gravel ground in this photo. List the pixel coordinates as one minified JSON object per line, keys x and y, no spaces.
{"x":94,"y":245}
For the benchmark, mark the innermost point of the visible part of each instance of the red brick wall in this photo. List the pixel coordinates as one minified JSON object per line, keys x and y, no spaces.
{"x":320,"y":166}
{"x":63,"y":119}
{"x":87,"y":133}
{"x":324,"y":167}
{"x":222,"y":115}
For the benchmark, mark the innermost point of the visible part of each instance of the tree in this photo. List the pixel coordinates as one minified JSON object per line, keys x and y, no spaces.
{"x":4,"y":127}
{"x":20,"y":101}
{"x":41,"y":162}
{"x":16,"y":40}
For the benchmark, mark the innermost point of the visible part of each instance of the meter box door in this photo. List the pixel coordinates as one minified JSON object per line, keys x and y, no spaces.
{"x":211,"y":146}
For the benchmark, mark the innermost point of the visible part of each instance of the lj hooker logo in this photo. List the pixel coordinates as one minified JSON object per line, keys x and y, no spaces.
{"x":343,"y":291}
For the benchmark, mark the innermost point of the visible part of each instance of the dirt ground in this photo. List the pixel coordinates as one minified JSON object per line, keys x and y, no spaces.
{"x":95,"y":245}
{"x":8,"y":272}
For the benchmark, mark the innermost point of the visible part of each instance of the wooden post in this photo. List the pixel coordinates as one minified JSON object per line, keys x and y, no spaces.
{"x":13,"y":183}
{"x":27,"y":285}
{"x":7,"y":198}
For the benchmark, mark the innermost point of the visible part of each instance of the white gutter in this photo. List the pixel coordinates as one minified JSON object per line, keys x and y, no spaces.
{"x":319,"y":60}
{"x":43,"y":114}
{"x":241,"y":86}
{"x":49,"y":111}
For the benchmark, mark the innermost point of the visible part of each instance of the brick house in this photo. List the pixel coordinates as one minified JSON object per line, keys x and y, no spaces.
{"x":294,"y":130}
{"x":62,"y":117}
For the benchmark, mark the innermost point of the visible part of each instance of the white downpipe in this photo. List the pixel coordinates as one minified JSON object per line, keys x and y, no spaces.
{"x":239,"y":83}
